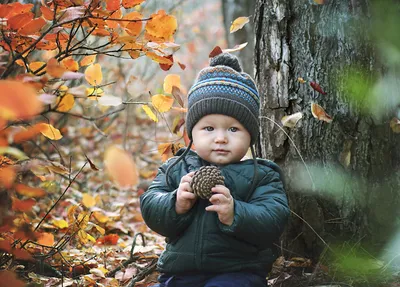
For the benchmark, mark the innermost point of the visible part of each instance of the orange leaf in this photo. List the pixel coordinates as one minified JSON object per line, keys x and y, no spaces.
{"x":23,"y":104}
{"x":7,"y":176}
{"x":131,"y":3}
{"x":46,"y":238}
{"x":135,"y":27}
{"x":35,"y":66}
{"x":162,"y":103}
{"x":170,"y":81}
{"x":238,"y":24}
{"x":26,"y":134}
{"x":11,"y":279}
{"x":159,"y":59}
{"x":49,"y":131}
{"x":110,"y":239}
{"x":19,"y":20}
{"x":54,"y":69}
{"x":66,"y":103}
{"x":112,"y":5}
{"x":94,"y":75}
{"x":22,"y":254}
{"x":161,"y":27}
{"x":115,"y":15}
{"x":29,"y":191}
{"x":319,"y":113}
{"x":18,"y":8}
{"x":32,"y":27}
{"x":5,"y":9}
{"x":120,"y":166}
{"x":22,"y":205}
{"x":70,"y":64}
{"x":47,"y":13}
{"x":87,"y":60}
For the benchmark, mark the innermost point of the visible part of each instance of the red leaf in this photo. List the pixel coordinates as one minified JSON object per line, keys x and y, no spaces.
{"x":166,"y":67}
{"x":215,"y":52}
{"x":32,"y":27}
{"x":110,"y":239}
{"x":317,"y":87}
{"x":23,"y":205}
{"x":11,"y":279}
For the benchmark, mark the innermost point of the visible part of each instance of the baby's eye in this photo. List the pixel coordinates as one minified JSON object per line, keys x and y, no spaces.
{"x":233,"y":129}
{"x":209,"y":129}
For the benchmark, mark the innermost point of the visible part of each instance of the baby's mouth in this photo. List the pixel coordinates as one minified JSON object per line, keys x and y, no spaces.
{"x":221,"y":151}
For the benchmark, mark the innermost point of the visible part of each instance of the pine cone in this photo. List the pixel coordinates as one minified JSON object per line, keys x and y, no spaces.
{"x":204,"y":179}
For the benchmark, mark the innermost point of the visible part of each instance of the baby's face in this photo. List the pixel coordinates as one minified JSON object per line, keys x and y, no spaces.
{"x":220,"y":139}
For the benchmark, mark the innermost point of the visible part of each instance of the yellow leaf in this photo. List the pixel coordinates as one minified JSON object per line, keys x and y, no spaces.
{"x":239,"y":23}
{"x":49,"y":131}
{"x":120,"y":166}
{"x":101,"y":230}
{"x":93,"y":93}
{"x":66,"y":103}
{"x":100,"y":217}
{"x":91,"y":238}
{"x":94,"y":75}
{"x":60,"y":223}
{"x":71,"y":214}
{"x":150,"y":113}
{"x":88,"y":200}
{"x":83,"y":220}
{"x":162,"y":103}
{"x":170,"y":81}
{"x":87,"y":60}
{"x":34,"y":66}
{"x":161,"y":27}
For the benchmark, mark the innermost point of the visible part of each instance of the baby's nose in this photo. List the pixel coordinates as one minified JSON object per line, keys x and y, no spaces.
{"x":221,"y":137}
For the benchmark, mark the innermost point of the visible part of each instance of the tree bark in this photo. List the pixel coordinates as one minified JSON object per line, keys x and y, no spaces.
{"x":354,"y":194}
{"x":231,"y":9}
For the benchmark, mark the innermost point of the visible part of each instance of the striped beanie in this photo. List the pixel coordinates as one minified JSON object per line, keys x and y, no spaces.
{"x":222,"y":88}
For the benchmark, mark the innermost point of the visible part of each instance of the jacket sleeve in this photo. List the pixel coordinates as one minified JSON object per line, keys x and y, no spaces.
{"x":158,"y":206}
{"x":261,"y":220}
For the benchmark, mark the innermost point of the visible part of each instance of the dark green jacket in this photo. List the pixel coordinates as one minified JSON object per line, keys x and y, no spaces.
{"x":198,"y":241}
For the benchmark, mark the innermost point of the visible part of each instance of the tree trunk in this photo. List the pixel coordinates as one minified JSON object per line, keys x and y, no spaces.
{"x":231,"y":9}
{"x":354,"y":160}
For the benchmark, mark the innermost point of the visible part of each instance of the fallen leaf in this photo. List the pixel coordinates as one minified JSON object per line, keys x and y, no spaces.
{"x":121,"y":167}
{"x":319,"y":113}
{"x":215,"y":52}
{"x":291,"y":120}
{"x":22,"y":205}
{"x":29,"y":191}
{"x":238,"y":24}
{"x":46,"y":238}
{"x":11,"y":279}
{"x":88,"y":200}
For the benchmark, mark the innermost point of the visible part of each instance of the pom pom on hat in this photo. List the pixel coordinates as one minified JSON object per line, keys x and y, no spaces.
{"x":222,"y":88}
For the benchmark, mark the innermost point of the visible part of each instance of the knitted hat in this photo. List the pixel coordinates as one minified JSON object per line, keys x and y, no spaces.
{"x":222,"y":88}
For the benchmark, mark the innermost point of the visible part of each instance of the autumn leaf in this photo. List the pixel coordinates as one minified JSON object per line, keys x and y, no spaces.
{"x":32,"y":27}
{"x":54,"y":69}
{"x":317,"y":87}
{"x":235,"y":49}
{"x":178,"y":95}
{"x":35,"y":66}
{"x":22,"y":205}
{"x":133,"y":28}
{"x":215,"y":52}
{"x":319,"y":113}
{"x":110,"y":239}
{"x":88,"y":200}
{"x":70,"y":64}
{"x":170,"y":81}
{"x":291,"y":121}
{"x":131,"y":3}
{"x":112,"y":5}
{"x":162,"y":103}
{"x":19,"y":20}
{"x":161,"y":27}
{"x":301,"y":80}
{"x":87,"y":60}
{"x":66,"y":103}
{"x":29,"y":191}
{"x":238,"y":24}
{"x":159,"y":59}
{"x":94,"y":75}
{"x":120,"y":166}
{"x":49,"y":131}
{"x":60,"y":223}
{"x":46,"y":239}
{"x":7,"y":176}
{"x":47,"y":13}
{"x":23,"y":104}
{"x":150,"y":113}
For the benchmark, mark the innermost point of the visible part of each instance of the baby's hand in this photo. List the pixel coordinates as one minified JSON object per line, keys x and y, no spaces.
{"x":223,"y":204}
{"x":185,"y":198}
